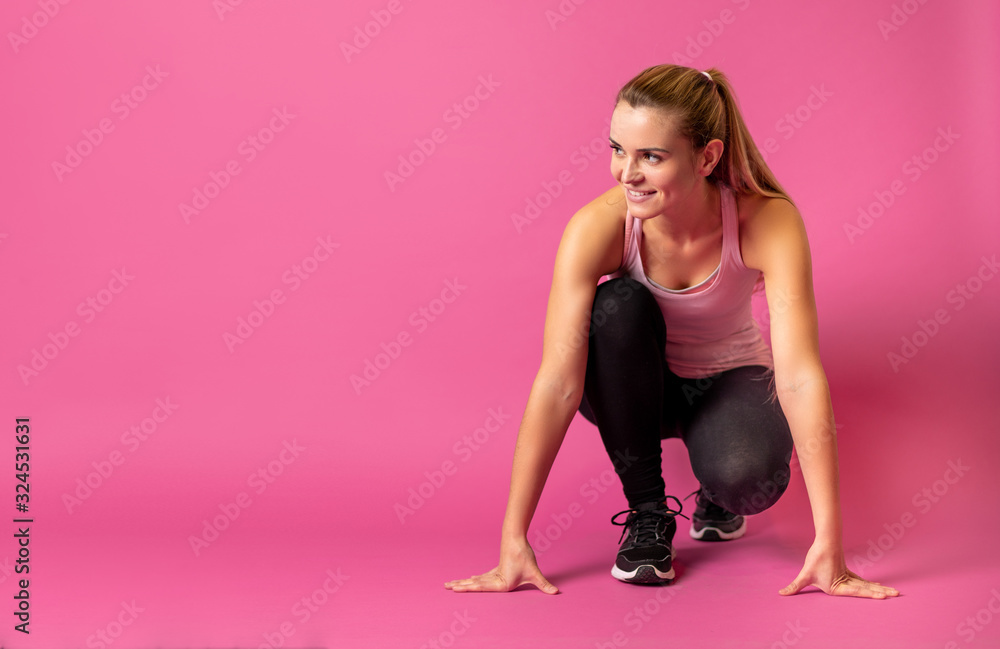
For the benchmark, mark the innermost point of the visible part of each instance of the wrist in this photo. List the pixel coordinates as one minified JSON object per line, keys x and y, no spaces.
{"x":829,"y":543}
{"x":511,"y":532}
{"x":828,"y":529}
{"x":827,"y":523}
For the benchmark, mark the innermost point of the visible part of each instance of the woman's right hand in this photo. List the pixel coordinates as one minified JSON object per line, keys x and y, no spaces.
{"x":517,"y":567}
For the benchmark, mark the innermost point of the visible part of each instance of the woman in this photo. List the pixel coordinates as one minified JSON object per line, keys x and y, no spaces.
{"x":667,"y":346}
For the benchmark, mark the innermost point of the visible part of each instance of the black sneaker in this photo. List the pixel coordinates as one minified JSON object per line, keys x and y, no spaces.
{"x":646,"y":555}
{"x":713,"y":523}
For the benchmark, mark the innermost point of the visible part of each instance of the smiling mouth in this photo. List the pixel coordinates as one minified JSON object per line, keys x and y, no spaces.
{"x":638,"y":194}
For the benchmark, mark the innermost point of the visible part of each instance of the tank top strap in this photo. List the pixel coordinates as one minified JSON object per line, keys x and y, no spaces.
{"x":628,"y":237}
{"x":730,"y":228}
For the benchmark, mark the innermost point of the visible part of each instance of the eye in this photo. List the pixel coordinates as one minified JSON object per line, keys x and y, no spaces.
{"x":652,"y":157}
{"x":617,"y":150}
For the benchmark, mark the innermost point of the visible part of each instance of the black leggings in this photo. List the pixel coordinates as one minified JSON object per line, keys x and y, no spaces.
{"x":735,"y":432}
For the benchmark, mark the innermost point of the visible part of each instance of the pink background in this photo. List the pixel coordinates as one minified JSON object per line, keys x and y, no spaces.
{"x":545,"y":84}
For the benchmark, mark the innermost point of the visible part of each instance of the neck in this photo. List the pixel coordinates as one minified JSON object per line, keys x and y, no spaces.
{"x":697,"y":216}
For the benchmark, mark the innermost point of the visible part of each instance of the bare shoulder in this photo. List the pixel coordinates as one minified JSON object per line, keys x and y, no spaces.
{"x":595,"y":236}
{"x":769,"y":227}
{"x":609,"y":207}
{"x":611,"y":201}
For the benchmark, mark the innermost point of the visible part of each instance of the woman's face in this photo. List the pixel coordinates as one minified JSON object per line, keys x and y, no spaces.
{"x":654,"y":164}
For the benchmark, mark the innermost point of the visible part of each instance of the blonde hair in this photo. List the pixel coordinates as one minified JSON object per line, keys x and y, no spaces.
{"x":705,"y":109}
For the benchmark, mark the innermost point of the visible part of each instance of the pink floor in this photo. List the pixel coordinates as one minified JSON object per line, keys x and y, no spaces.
{"x":345,"y":572}
{"x":723,"y":597}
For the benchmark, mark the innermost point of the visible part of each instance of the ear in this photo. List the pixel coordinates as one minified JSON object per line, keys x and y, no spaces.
{"x":709,"y":157}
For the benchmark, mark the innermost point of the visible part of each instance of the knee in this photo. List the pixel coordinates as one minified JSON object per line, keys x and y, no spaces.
{"x":622,"y":302}
{"x":749,"y":489}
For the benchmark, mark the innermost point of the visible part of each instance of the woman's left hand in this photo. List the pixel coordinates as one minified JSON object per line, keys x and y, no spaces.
{"x":826,"y":569}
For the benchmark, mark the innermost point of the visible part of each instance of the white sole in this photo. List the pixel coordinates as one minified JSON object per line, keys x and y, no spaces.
{"x":621,"y":575}
{"x":723,"y":536}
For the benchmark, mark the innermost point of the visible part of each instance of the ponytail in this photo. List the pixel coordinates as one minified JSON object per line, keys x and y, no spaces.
{"x":705,"y":109}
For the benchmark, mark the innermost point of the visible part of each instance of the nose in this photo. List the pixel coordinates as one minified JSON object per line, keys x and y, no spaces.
{"x":630,"y":173}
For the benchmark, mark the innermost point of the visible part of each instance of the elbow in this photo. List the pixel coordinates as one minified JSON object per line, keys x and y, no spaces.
{"x":565,"y":392}
{"x":790,"y":382}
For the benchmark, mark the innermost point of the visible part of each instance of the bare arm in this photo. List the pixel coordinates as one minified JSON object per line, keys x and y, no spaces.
{"x":591,"y":247}
{"x":776,"y":243}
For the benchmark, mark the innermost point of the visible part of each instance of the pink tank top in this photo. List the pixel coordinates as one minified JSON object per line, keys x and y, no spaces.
{"x":710,"y":326}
